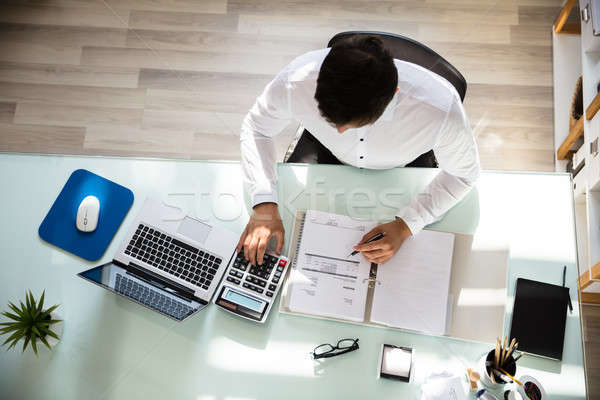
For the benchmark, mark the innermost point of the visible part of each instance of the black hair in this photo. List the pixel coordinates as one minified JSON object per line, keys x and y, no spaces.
{"x":356,"y":82}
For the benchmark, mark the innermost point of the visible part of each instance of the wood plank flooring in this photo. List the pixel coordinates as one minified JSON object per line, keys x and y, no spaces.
{"x":174,"y":78}
{"x":150,"y":66}
{"x":591,"y":332}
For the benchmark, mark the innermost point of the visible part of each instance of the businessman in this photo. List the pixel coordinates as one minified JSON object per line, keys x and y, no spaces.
{"x":370,"y":111}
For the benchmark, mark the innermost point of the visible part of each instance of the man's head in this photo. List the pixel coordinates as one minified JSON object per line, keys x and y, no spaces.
{"x":356,"y":82}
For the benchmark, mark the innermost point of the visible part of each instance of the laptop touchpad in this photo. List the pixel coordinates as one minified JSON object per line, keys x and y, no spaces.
{"x":194,"y":229}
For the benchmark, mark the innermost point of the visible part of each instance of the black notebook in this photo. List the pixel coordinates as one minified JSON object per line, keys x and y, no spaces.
{"x":539,"y":317}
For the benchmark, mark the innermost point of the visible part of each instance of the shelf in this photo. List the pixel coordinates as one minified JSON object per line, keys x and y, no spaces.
{"x":561,"y":21}
{"x":593,"y":107}
{"x":564,"y":74}
{"x":590,"y":298}
{"x":575,"y":133}
{"x":588,"y":277}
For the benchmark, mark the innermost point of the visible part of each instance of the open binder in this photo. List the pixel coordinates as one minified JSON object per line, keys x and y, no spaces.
{"x":476,"y":289}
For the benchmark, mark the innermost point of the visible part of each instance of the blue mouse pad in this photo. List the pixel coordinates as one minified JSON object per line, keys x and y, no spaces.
{"x":58,"y":228}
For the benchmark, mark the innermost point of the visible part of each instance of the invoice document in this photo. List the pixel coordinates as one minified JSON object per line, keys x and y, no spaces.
{"x":324,"y":279}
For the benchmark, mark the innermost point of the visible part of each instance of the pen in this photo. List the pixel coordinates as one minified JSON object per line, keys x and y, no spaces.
{"x":568,"y":292}
{"x":374,"y":238}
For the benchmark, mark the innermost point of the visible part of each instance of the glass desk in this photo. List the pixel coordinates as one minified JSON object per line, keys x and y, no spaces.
{"x":112,"y":348}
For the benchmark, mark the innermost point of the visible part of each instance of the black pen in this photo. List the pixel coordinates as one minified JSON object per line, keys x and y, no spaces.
{"x":568,"y":292}
{"x":374,"y":238}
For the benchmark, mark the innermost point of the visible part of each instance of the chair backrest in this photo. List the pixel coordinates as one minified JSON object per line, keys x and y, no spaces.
{"x":405,"y":49}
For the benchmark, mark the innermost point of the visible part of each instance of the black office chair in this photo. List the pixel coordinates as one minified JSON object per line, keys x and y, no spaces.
{"x":307,"y":149}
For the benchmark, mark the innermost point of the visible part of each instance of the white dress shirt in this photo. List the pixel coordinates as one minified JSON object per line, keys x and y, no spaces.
{"x":426,"y":113}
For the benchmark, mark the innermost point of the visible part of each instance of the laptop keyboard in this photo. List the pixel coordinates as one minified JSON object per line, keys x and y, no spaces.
{"x":179,"y":259}
{"x":151,"y":298}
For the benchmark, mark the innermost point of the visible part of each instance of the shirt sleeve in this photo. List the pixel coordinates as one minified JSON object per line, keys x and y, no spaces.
{"x":458,"y":159}
{"x":269,"y":115}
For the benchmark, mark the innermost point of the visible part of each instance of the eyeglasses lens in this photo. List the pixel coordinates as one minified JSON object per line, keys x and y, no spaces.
{"x":322,"y":349}
{"x":345,"y":343}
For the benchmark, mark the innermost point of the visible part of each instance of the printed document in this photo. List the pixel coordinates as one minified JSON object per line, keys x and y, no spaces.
{"x":325,"y":280}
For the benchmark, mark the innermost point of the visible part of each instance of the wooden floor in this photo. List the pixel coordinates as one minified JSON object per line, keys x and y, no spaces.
{"x":591,"y":333}
{"x":174,"y":78}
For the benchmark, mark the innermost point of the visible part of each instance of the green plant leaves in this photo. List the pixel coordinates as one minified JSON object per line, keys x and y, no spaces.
{"x":33,"y":345}
{"x":11,"y":326}
{"x":16,"y":309}
{"x":30,"y":322}
{"x":11,"y":316}
{"x":43,"y":339}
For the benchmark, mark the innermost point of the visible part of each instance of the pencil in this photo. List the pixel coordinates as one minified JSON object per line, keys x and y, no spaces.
{"x":497,"y":353}
{"x":511,"y":377}
{"x":509,"y":351}
{"x":512,"y":350}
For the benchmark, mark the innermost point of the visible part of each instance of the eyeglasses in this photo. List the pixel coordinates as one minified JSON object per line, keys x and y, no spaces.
{"x":343,"y":346}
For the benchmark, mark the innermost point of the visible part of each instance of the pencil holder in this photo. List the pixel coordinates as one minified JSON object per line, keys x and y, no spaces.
{"x":485,"y":370}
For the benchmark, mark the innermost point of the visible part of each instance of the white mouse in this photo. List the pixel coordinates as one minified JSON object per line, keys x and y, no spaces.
{"x":87,"y":214}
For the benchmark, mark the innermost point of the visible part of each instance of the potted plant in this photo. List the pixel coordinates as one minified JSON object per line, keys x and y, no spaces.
{"x":30,"y":323}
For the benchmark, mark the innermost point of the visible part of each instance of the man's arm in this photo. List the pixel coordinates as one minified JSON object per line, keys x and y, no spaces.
{"x":458,"y":159}
{"x":269,"y":115}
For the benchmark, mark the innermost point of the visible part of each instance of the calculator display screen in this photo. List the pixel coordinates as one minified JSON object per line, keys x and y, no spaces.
{"x":243,"y":300}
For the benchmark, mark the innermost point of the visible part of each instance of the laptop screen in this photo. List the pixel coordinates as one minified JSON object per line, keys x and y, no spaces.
{"x":150,"y":293}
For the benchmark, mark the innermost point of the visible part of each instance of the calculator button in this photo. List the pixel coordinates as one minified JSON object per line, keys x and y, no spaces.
{"x":236,"y":281}
{"x":270,"y":294}
{"x":246,"y":285}
{"x":232,"y":272}
{"x":277,"y":274}
{"x":280,"y":269}
{"x":272,"y":287}
{"x":260,"y":283}
{"x":259,"y":290}
{"x":230,"y":279}
{"x":275,"y":280}
{"x":282,"y":263}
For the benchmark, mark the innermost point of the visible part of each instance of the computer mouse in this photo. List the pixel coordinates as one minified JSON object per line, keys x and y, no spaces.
{"x":87,"y":214}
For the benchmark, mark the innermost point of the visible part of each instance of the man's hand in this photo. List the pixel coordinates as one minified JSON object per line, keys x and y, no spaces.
{"x":380,"y":251}
{"x":264,"y":223}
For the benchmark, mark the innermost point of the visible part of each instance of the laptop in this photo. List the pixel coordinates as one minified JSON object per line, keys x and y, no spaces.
{"x":169,"y":262}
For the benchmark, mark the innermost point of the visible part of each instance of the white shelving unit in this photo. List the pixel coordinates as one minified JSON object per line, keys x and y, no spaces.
{"x":576,"y":55}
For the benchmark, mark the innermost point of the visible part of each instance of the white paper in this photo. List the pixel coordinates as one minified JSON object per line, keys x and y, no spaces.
{"x":444,"y":388}
{"x":325,"y":281}
{"x":412,"y":289}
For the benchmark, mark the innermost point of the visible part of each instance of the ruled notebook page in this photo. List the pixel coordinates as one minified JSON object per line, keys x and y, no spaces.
{"x":412,"y":289}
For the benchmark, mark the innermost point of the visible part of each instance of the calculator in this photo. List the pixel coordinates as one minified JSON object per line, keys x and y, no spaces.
{"x":249,"y":290}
